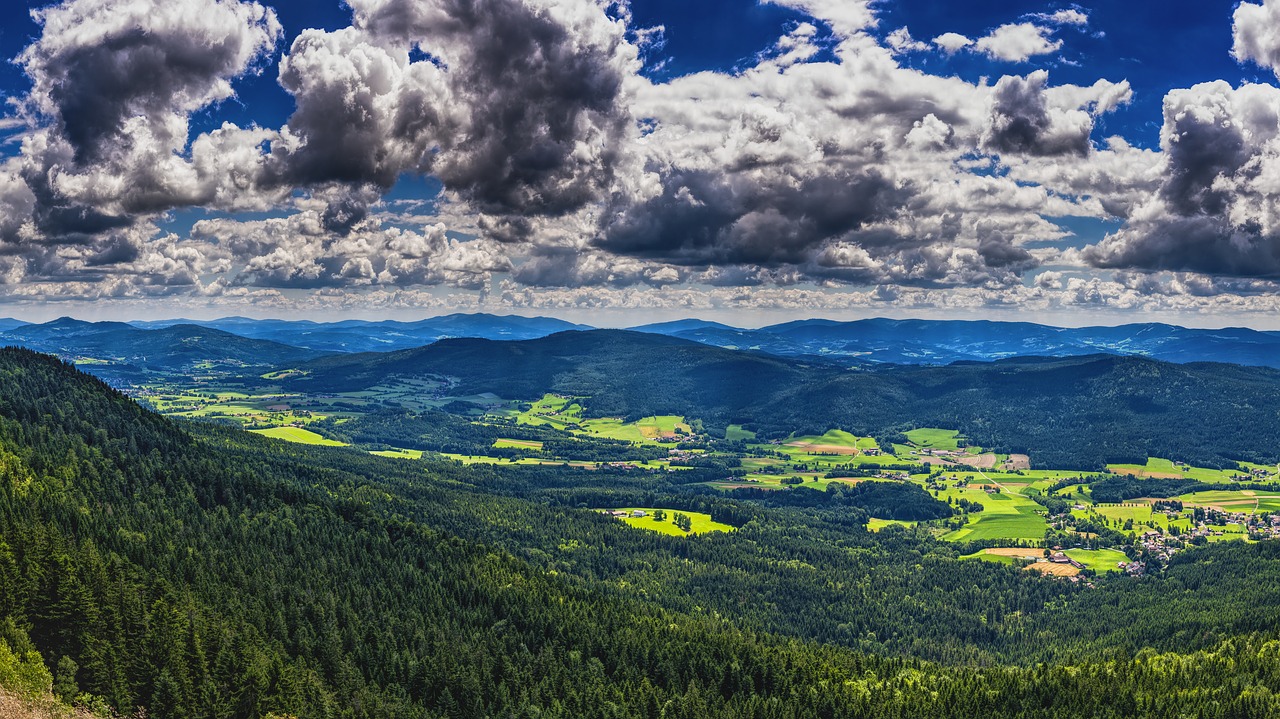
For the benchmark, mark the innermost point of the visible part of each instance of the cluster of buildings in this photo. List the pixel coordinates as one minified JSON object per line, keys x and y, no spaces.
{"x":1160,"y":546}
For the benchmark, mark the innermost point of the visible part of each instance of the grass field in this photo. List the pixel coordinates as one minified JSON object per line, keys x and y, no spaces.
{"x":517,"y":443}
{"x":644,"y":431}
{"x":299,"y":435}
{"x":486,"y":459}
{"x":735,"y":433}
{"x":554,"y":410}
{"x":1140,"y":512}
{"x":1004,"y":516}
{"x":1164,"y":468}
{"x":833,"y":438}
{"x":1005,"y":555}
{"x":875,"y":525}
{"x":934,"y":438}
{"x":565,"y":413}
{"x":1246,"y":501}
{"x":399,"y":453}
{"x":700,"y":522}
{"x":1099,"y":560}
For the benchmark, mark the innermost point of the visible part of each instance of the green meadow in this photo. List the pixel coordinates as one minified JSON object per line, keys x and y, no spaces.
{"x":699,"y":522}
{"x":1004,"y":516}
{"x":298,"y":435}
{"x":1158,"y":467}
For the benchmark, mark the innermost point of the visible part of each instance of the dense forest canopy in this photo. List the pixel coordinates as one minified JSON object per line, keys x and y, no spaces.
{"x":1075,"y":413}
{"x":202,"y":572}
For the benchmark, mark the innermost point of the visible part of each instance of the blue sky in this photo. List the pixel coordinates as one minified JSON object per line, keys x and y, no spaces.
{"x":1060,"y":162}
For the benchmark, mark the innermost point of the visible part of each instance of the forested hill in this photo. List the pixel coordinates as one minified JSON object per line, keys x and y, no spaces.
{"x":205,"y":573}
{"x":1077,"y":412}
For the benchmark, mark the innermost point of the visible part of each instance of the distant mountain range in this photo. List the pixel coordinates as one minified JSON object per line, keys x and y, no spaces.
{"x":380,"y":336}
{"x":947,"y":341}
{"x":176,"y":345}
{"x":1073,"y":411}
{"x":121,"y":352}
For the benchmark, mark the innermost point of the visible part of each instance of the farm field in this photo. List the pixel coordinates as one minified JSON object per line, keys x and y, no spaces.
{"x":934,"y":438}
{"x":398,"y":453}
{"x":700,"y":522}
{"x":875,"y":525}
{"x":1005,"y":555}
{"x":486,"y":459}
{"x":517,"y":443}
{"x":554,"y":410}
{"x":298,"y":435}
{"x":647,"y":430}
{"x":735,"y":433}
{"x":565,"y":413}
{"x":1139,"y":512}
{"x":1099,"y":560}
{"x":835,"y":447}
{"x":1004,"y":516}
{"x":1246,"y":501}
{"x":1167,"y":469}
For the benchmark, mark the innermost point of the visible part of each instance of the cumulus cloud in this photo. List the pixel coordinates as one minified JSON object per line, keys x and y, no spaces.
{"x":542,"y":86}
{"x":901,"y":42}
{"x":1216,"y":210}
{"x":113,"y":86}
{"x":952,"y":42}
{"x":1026,"y":119}
{"x":824,"y":169}
{"x":1069,"y":16}
{"x":1256,"y":34}
{"x":1017,"y":42}
{"x":299,"y":251}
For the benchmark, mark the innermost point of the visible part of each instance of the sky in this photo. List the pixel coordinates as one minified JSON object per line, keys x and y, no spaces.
{"x":618,"y":163}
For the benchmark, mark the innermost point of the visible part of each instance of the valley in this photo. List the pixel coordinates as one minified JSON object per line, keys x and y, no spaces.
{"x":958,"y":520}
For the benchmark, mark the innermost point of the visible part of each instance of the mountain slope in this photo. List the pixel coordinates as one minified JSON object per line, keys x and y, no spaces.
{"x":381,"y":336}
{"x":204,"y":572}
{"x":175,"y":348}
{"x":945,"y":341}
{"x":1077,"y":412}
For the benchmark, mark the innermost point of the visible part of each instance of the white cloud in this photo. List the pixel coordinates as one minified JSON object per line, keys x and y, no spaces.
{"x":1069,"y":16}
{"x":1017,"y":42}
{"x":952,"y":42}
{"x":1256,"y":34}
{"x":901,"y":42}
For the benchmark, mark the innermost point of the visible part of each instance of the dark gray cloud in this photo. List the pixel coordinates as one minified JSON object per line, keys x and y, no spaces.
{"x":99,"y":65}
{"x":1215,"y":211}
{"x":713,"y":218}
{"x":1021,"y":122}
{"x":519,"y":108}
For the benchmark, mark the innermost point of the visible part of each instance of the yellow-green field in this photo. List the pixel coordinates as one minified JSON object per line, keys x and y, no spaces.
{"x":298,"y":435}
{"x":566,"y":414}
{"x":1004,"y":516}
{"x":1247,"y":501}
{"x":398,"y":453}
{"x":1168,"y":469}
{"x":700,"y":522}
{"x":517,"y":443}
{"x":644,"y":431}
{"x":875,"y":524}
{"x":1099,"y":560}
{"x":486,"y":459}
{"x":934,"y":438}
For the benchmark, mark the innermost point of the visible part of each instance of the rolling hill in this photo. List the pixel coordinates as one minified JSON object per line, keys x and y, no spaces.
{"x":945,"y":341}
{"x":1077,"y":412}
{"x":379,"y":336}
{"x":119,"y":350}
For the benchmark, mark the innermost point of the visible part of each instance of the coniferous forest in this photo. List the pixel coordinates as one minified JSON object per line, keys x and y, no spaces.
{"x":199,"y":571}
